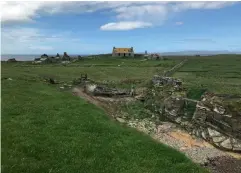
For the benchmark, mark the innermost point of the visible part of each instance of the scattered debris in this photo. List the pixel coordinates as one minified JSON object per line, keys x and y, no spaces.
{"x":98,"y":90}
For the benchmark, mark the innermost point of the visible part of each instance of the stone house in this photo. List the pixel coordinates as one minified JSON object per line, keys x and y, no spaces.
{"x":123,"y":52}
{"x":12,"y":60}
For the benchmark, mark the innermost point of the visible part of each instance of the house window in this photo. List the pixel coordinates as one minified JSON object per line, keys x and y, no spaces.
{"x":118,"y":54}
{"x":124,"y":54}
{"x":129,"y":54}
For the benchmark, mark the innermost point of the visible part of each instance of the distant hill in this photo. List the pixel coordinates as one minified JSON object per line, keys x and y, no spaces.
{"x":202,"y":53}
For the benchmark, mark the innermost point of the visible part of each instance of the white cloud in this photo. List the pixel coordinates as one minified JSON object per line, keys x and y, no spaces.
{"x":154,"y":12}
{"x":201,"y":5}
{"x":179,"y":23}
{"x":126,"y":25}
{"x":19,"y":40}
{"x":32,"y":40}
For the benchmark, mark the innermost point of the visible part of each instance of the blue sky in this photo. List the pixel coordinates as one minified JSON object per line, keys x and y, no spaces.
{"x":95,"y":27}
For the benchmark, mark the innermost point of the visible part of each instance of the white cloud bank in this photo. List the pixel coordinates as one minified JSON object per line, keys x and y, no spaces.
{"x":127,"y":16}
{"x":18,"y":40}
{"x":124,"y":26}
{"x":147,"y":12}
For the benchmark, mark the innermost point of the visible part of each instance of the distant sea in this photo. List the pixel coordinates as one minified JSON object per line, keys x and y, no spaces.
{"x":27,"y":57}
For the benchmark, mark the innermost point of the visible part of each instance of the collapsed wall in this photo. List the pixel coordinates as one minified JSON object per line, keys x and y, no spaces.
{"x":215,"y":119}
{"x":218,"y":121}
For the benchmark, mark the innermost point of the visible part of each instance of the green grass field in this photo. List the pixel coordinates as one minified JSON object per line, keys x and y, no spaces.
{"x":45,"y":130}
{"x":219,"y":74}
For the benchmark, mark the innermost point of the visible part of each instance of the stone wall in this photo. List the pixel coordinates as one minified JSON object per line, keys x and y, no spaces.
{"x":216,"y":119}
{"x":175,"y":68}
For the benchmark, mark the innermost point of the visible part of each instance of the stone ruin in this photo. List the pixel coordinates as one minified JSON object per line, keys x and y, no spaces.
{"x":162,"y":80}
{"x":216,"y":119}
{"x":98,"y":90}
{"x":66,"y":57}
{"x":44,"y":56}
{"x":12,"y":60}
{"x":93,"y":88}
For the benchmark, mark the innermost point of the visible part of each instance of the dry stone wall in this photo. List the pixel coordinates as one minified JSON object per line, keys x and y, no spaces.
{"x":216,"y":119}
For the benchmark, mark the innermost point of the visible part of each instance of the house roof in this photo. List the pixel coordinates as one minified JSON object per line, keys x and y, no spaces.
{"x":123,"y":50}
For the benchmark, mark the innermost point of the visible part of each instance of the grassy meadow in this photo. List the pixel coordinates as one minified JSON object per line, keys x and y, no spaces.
{"x":113,"y":71}
{"x":46,"y":130}
{"x":219,"y":74}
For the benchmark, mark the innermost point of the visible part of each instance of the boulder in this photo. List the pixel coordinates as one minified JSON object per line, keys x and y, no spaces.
{"x":121,"y":120}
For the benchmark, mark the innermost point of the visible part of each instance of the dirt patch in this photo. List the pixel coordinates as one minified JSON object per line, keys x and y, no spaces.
{"x":109,"y":104}
{"x":224,"y":165}
{"x":188,"y":140}
{"x":91,"y":99}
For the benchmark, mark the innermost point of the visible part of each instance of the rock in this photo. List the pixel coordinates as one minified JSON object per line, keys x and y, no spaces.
{"x":121,"y":120}
{"x":178,"y":120}
{"x":52,"y":81}
{"x":165,"y":127}
{"x":160,"y":80}
{"x":61,"y":87}
{"x":229,"y":116}
{"x":213,"y":133}
{"x":226,"y":144}
{"x":10,"y":79}
{"x":204,"y":135}
{"x":218,"y":139}
{"x":174,"y":106}
{"x":219,"y":110}
{"x":236,"y":144}
{"x":103,"y":91}
{"x":197,"y":133}
{"x":91,"y":88}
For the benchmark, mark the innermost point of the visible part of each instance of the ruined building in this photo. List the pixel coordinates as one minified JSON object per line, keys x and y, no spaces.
{"x":123,"y":52}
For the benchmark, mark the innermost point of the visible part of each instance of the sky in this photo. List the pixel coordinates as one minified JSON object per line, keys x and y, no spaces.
{"x":90,"y":27}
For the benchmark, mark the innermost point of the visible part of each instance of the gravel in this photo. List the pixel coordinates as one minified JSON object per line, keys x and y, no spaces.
{"x":199,"y":154}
